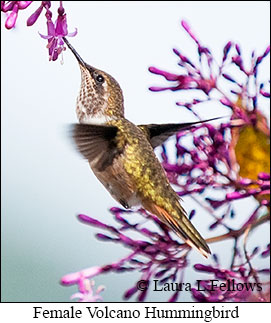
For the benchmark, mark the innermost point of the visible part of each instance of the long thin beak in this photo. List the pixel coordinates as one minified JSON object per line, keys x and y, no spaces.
{"x":77,"y":56}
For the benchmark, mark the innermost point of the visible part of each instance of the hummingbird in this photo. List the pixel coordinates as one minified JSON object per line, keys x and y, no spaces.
{"x":121,"y":154}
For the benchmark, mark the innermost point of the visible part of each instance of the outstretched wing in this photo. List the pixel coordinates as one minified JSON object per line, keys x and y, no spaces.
{"x":158,"y":133}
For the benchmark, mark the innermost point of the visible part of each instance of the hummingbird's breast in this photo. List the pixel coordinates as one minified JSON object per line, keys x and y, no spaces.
{"x":118,"y":182}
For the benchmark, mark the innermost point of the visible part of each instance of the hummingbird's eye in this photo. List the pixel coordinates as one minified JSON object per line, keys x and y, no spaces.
{"x":99,"y":78}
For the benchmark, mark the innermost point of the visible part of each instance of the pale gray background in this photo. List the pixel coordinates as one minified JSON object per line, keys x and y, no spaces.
{"x":44,"y":182}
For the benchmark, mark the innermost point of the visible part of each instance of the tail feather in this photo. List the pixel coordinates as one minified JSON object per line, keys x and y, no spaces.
{"x":183,"y":227}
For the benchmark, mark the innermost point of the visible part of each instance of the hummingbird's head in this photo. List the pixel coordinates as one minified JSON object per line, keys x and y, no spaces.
{"x":100,"y":98}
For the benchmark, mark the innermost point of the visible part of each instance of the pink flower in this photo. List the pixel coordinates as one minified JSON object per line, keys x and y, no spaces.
{"x":14,"y":7}
{"x":56,"y":32}
{"x":33,"y":18}
{"x":86,"y":292}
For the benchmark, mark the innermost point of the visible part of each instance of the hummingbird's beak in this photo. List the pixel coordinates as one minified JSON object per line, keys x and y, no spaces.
{"x":77,"y":56}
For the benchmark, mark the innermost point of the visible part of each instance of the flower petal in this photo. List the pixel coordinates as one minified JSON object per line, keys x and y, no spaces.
{"x":11,"y":20}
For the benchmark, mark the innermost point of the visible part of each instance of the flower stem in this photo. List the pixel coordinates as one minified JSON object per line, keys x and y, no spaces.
{"x":237,"y":233}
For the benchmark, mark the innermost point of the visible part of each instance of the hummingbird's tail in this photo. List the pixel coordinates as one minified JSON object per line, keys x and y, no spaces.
{"x":182,"y":227}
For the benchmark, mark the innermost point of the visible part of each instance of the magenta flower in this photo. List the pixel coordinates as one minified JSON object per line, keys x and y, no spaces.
{"x":184,"y":82}
{"x":206,"y":78}
{"x":228,"y":285}
{"x":34,"y":17}
{"x":193,"y":79}
{"x":156,"y":255}
{"x":13,"y":7}
{"x":56,"y":32}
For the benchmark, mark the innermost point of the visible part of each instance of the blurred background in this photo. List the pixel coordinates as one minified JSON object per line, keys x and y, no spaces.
{"x":45,"y":183}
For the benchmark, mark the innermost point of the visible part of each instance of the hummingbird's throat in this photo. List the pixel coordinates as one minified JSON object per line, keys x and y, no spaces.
{"x":102,"y":103}
{"x":92,"y":104}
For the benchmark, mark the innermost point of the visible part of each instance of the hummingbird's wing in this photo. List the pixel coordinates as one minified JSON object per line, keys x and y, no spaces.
{"x":158,"y":133}
{"x":96,"y":142}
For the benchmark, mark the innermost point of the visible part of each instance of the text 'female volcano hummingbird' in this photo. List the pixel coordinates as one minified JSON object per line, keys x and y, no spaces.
{"x":121,"y":154}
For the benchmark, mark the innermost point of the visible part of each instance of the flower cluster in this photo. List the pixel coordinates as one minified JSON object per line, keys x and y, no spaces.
{"x":56,"y":31}
{"x":228,"y":285}
{"x":157,"y":255}
{"x":12,"y":8}
{"x":217,"y":161}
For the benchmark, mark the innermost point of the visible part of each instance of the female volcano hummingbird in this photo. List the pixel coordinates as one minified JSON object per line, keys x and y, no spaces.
{"x":122,"y":156}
